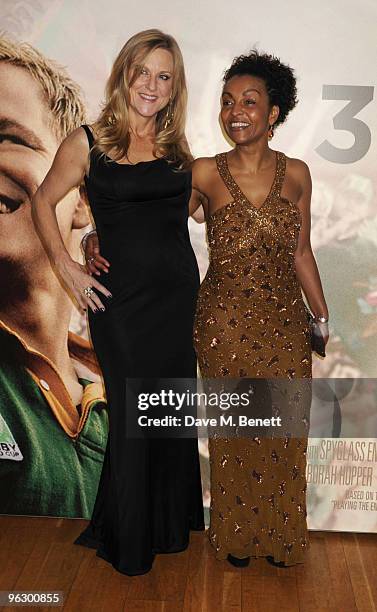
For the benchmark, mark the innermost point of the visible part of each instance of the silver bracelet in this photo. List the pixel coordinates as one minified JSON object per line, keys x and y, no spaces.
{"x":84,"y":239}
{"x":321,"y":319}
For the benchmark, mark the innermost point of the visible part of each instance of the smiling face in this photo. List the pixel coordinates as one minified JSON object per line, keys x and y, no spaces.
{"x":27,"y":148}
{"x":151,"y":90}
{"x":245,"y":109}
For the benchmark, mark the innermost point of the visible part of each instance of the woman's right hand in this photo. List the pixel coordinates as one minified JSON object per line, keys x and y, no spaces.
{"x":94,"y":260}
{"x":81,"y":285}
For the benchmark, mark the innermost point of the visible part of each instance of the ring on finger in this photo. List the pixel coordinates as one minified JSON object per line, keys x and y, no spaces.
{"x":88,"y":291}
{"x":91,"y":259}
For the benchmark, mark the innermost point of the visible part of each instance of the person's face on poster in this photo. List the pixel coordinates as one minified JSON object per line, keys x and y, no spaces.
{"x":28,"y":144}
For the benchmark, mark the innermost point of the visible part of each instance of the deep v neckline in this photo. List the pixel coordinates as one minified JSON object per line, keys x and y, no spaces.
{"x":236,"y":191}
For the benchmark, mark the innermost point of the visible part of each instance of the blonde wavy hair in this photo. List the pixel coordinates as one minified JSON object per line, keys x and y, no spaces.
{"x":62,"y":95}
{"x":112,"y":128}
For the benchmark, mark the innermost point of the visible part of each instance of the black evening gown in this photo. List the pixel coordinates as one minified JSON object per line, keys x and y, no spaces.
{"x":149,"y":494}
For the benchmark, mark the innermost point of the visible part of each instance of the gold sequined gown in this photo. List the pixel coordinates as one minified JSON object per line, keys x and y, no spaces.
{"x":251,"y":322}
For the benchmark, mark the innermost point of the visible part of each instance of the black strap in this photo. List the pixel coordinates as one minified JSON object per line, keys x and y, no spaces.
{"x":89,"y":134}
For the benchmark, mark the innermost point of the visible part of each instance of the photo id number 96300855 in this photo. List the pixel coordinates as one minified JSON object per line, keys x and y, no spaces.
{"x":31,"y":598}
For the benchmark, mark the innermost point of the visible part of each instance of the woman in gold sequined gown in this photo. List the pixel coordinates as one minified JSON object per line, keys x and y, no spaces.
{"x":251,"y":319}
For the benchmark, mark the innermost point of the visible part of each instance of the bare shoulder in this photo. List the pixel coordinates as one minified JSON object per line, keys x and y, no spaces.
{"x":203,"y":164}
{"x":202,"y":171}
{"x":74,"y":148}
{"x":298,"y":169}
{"x":77,"y":138}
{"x":299,"y":179}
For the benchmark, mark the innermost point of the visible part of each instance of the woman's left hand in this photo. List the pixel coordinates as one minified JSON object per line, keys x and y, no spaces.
{"x":324,"y":329}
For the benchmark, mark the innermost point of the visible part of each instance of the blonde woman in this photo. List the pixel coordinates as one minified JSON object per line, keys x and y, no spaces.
{"x":134,"y":160}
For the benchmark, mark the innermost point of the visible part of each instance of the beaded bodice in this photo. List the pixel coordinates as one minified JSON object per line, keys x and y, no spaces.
{"x":241,"y":229}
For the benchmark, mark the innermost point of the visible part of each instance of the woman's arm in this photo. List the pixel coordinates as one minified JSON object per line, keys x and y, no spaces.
{"x":196,"y":209}
{"x":306,"y":266}
{"x":66,"y":173}
{"x":198,"y":206}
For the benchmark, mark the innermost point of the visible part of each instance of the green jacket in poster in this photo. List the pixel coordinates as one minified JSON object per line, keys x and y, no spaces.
{"x":51,"y":452}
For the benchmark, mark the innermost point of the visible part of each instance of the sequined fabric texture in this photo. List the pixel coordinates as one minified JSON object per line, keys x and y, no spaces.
{"x":251,"y":322}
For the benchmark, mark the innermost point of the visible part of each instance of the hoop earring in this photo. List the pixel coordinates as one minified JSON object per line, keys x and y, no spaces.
{"x":169,"y":116}
{"x":270,"y":132}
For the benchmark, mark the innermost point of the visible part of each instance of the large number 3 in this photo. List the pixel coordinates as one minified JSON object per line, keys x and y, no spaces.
{"x":359,"y":96}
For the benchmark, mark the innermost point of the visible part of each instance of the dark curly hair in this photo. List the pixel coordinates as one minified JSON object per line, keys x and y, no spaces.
{"x":279,"y":79}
